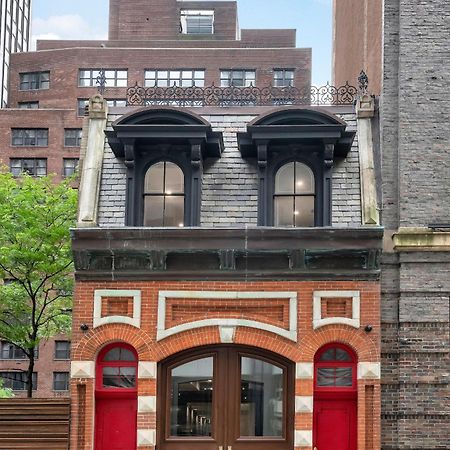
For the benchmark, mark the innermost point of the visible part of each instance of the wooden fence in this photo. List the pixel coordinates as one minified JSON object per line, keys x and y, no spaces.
{"x":35,"y":424}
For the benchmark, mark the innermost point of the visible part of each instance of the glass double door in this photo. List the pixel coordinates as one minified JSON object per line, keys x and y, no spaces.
{"x":226,"y":398}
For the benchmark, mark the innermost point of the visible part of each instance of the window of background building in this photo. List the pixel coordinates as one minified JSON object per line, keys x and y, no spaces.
{"x":70,"y":166}
{"x":28,"y":105}
{"x":36,"y":167}
{"x":11,"y":351}
{"x":180,"y":77}
{"x":164,"y":195}
{"x":29,"y":137}
{"x":17,"y":380}
{"x":34,"y":80}
{"x":114,"y":78}
{"x":60,"y":381}
{"x":238,"y":78}
{"x":283,"y":77}
{"x":84,"y":102}
{"x":72,"y":137}
{"x":62,"y":349}
{"x":197,"y":21}
{"x":294,"y":196}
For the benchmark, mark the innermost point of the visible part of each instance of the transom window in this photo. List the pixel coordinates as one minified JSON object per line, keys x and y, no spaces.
{"x":335,"y":368}
{"x":164,"y":195}
{"x":34,"y":80}
{"x":283,"y":77}
{"x":294,"y":196}
{"x":29,"y":137}
{"x":117,"y":369}
{"x":36,"y":167}
{"x":237,"y":78}
{"x":114,"y":78}
{"x":72,"y":137}
{"x":179,"y":77}
{"x":197,"y":21}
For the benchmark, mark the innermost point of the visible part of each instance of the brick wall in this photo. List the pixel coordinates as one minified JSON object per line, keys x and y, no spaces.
{"x":44,"y":367}
{"x":86,"y":344}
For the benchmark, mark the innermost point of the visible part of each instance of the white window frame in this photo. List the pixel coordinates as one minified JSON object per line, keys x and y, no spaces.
{"x":185,"y":13}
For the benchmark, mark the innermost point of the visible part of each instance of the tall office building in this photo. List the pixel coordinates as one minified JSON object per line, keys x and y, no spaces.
{"x":14,"y":37}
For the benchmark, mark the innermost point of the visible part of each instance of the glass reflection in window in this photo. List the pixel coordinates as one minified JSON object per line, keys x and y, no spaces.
{"x":294,"y":196}
{"x":262,"y":397}
{"x":335,"y":377}
{"x":191,"y":398}
{"x":119,"y":377}
{"x":164,"y":195}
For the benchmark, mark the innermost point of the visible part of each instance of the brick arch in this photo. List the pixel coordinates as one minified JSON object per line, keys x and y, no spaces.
{"x":210,"y":336}
{"x":364,"y":347}
{"x":90,"y":345}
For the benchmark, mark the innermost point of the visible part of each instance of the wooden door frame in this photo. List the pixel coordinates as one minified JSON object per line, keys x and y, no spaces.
{"x":226,"y":388}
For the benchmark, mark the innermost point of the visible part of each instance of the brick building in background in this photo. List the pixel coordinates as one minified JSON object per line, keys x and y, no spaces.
{"x":15,"y":33}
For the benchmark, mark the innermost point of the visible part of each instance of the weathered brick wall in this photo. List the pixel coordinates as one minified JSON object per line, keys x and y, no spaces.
{"x":230,"y":190}
{"x":416,"y":183}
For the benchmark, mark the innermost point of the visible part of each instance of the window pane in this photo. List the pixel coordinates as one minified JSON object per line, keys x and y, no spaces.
{"x":325,"y":377}
{"x":284,"y":212}
{"x":284,"y":179}
{"x":261,"y":398}
{"x":304,"y":179}
{"x":304,"y":211}
{"x":112,"y":355}
{"x":174,"y":211}
{"x":344,"y":376}
{"x":154,"y":179}
{"x":191,"y":398}
{"x":342,"y":355}
{"x":174,"y":179}
{"x":126,"y":355}
{"x":328,"y":355}
{"x":154,"y":211}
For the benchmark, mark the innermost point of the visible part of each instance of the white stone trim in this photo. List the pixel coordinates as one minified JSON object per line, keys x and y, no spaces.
{"x":317,"y":309}
{"x":303,"y":404}
{"x":303,"y":438}
{"x":135,"y":321}
{"x":304,"y":371}
{"x":147,"y":369}
{"x":82,"y":369}
{"x":146,"y":404}
{"x":227,"y":334}
{"x":369,"y":371}
{"x":290,"y":334}
{"x":146,"y":437}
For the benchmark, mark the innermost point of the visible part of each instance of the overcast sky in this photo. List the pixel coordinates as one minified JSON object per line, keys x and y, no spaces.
{"x":88,"y":19}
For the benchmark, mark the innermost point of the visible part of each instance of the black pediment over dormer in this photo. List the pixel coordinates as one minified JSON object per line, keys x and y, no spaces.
{"x":160,"y":126}
{"x":286,"y":126}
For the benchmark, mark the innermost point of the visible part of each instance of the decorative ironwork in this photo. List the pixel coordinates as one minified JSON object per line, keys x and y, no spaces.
{"x":101,"y":81}
{"x":241,"y":96}
{"x":363,"y":81}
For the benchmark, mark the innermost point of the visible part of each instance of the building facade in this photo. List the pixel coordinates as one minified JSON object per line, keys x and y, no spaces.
{"x":358,"y":41}
{"x":15,"y":34}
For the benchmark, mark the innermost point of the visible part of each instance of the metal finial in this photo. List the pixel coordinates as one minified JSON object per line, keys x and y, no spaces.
{"x":363,"y":81}
{"x":101,"y":81}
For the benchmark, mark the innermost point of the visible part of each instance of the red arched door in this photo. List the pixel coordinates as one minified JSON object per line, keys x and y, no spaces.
{"x":226,"y":397}
{"x":116,"y":398}
{"x":335,"y":399}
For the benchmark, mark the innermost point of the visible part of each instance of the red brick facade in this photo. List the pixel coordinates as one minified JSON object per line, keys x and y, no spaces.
{"x":87,"y":344}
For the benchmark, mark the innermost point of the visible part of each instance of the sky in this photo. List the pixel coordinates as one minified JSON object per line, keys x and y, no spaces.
{"x":88,"y":19}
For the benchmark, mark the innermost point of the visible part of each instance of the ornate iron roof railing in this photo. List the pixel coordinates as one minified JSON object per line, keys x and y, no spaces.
{"x":241,"y":96}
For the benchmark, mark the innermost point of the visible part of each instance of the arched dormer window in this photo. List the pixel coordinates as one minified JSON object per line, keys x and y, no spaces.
{"x":290,"y":140}
{"x":163,"y":149}
{"x":294,"y":195}
{"x":164,"y":203}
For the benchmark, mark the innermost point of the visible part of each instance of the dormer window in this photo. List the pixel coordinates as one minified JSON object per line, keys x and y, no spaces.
{"x":197,"y":21}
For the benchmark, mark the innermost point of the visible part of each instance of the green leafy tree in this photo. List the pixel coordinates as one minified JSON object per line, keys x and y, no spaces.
{"x":35,"y":261}
{"x":5,"y":392}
